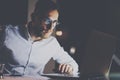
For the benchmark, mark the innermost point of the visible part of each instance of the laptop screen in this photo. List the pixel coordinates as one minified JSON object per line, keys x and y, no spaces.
{"x":98,"y":53}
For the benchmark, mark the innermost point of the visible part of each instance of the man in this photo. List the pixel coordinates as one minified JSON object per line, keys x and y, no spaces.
{"x":26,"y":50}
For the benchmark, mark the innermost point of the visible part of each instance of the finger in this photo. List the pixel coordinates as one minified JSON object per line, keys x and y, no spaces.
{"x":63,"y":68}
{"x":67,"y":68}
{"x":70,"y":70}
{"x":60,"y":66}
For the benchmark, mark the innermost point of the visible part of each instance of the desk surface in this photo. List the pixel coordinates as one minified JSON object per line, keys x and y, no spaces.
{"x":24,"y":78}
{"x":113,"y":76}
{"x":36,"y":78}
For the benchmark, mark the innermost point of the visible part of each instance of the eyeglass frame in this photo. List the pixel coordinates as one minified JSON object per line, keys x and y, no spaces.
{"x":49,"y":22}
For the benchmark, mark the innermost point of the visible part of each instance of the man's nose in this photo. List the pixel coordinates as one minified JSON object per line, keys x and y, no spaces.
{"x":53,"y":25}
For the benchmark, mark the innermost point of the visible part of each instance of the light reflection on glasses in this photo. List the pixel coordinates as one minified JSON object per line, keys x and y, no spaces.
{"x":48,"y":22}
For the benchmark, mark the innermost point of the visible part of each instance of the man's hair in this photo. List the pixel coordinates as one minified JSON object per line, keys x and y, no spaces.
{"x":42,"y":7}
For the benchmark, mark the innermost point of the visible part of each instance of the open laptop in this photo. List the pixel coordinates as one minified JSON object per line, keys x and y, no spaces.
{"x":97,"y":57}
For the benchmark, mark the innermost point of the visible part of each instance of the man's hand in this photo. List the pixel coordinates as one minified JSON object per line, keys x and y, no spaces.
{"x":65,"y":68}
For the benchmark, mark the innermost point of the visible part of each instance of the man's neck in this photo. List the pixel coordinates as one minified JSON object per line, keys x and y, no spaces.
{"x":35,"y":38}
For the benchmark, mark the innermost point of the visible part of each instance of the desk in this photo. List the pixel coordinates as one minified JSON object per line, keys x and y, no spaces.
{"x":24,"y":78}
{"x":7,"y":77}
{"x":113,"y":76}
{"x":36,"y":78}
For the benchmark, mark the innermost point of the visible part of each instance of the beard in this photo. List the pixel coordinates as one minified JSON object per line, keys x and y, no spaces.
{"x":36,"y":30}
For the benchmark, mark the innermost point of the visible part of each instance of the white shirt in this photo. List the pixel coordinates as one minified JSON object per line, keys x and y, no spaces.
{"x":29,"y":58}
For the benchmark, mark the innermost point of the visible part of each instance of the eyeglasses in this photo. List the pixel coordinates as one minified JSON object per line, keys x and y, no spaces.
{"x":48,"y":22}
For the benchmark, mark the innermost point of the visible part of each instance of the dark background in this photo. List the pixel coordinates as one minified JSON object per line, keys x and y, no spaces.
{"x":13,"y":11}
{"x":77,"y":17}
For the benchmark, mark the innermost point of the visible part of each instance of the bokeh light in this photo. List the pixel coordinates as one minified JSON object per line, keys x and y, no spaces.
{"x":72,"y":50}
{"x":59,"y":33}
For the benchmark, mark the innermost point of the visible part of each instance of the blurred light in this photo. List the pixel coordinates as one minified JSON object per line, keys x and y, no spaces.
{"x":72,"y":50}
{"x":59,"y":33}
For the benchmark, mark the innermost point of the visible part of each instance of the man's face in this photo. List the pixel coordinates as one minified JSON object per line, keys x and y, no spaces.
{"x":49,"y":23}
{"x":44,"y":28}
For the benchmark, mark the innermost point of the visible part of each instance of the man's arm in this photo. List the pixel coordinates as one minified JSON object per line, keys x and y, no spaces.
{"x":66,"y":63}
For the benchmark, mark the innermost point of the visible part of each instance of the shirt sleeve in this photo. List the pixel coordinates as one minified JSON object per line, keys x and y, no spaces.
{"x":61,"y":56}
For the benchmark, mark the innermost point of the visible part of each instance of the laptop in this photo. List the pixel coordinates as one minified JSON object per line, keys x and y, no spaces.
{"x":97,"y":57}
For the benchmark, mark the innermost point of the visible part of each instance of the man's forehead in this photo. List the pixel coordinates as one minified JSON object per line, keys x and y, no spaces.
{"x":53,"y":15}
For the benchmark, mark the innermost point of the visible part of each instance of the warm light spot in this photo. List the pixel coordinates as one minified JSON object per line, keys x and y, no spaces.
{"x":72,"y":50}
{"x":59,"y":33}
